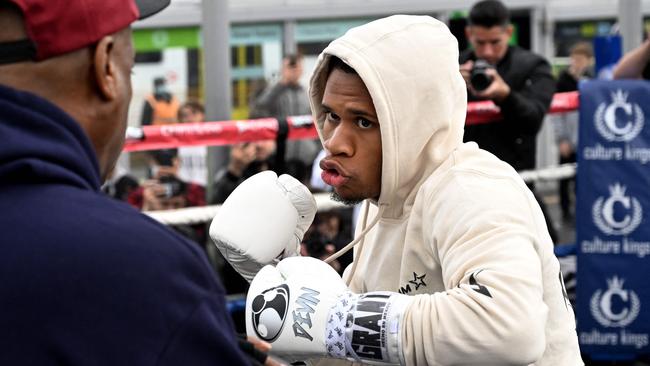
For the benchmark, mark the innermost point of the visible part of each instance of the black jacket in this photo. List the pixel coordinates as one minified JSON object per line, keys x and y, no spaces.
{"x":512,"y":139}
{"x":86,"y":279}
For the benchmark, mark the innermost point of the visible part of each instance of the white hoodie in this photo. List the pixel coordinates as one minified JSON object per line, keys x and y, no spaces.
{"x":453,"y":226}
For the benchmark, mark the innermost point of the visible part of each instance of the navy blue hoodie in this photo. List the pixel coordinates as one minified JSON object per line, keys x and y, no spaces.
{"x":85,"y":279}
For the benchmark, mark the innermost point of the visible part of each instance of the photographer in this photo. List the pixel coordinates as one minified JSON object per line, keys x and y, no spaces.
{"x":166,"y":191}
{"x":518,"y":81}
{"x":246,"y":159}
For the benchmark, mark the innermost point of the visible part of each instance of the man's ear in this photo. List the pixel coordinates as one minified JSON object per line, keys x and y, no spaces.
{"x":510,"y":29}
{"x":105,"y":69}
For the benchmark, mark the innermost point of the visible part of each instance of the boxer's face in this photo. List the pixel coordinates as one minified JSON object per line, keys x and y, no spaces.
{"x":352,"y":139}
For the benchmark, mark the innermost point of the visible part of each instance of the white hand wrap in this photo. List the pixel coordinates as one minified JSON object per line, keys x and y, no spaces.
{"x":366,"y":328}
{"x":303,"y":308}
{"x":262,"y":221}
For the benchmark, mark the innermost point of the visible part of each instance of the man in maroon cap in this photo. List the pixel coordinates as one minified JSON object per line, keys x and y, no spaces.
{"x":87,"y":280}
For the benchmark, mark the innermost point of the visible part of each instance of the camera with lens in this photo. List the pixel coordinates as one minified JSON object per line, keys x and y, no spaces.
{"x":172,"y":186}
{"x":479,"y":78}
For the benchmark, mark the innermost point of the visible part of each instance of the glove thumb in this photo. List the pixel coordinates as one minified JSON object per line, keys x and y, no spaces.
{"x":310,"y":268}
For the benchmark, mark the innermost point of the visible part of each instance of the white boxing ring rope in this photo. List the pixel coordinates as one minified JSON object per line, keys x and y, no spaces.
{"x":203,"y":214}
{"x":199,"y":215}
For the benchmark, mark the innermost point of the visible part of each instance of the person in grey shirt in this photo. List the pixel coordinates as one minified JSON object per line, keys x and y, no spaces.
{"x":287,"y":98}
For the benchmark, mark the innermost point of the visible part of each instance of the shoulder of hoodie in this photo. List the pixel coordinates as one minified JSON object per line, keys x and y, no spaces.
{"x":88,"y":223}
{"x":477,"y":180}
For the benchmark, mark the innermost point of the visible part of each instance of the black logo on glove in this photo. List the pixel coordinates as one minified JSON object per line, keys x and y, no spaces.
{"x":269,"y":312}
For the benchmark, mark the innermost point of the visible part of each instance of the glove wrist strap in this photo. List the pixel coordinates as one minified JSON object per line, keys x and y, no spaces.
{"x":367,"y":327}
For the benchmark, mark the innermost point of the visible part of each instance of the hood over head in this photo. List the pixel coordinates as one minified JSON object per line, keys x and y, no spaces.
{"x":409,"y":65}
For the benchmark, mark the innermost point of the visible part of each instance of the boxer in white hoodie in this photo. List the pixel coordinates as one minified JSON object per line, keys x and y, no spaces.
{"x":454,"y":263}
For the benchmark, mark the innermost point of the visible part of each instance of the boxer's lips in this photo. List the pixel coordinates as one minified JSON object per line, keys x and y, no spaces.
{"x":333,"y":174}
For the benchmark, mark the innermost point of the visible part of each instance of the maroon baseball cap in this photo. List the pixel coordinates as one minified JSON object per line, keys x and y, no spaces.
{"x":55,"y":27}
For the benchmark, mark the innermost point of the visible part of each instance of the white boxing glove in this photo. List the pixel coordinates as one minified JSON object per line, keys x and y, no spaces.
{"x":263,"y":220}
{"x":304,"y":310}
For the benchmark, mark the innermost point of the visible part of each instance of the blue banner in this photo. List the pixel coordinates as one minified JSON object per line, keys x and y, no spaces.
{"x":613,"y":213}
{"x":607,"y":52}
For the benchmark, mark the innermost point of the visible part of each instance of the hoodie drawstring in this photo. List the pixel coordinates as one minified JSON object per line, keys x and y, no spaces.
{"x":360,"y":238}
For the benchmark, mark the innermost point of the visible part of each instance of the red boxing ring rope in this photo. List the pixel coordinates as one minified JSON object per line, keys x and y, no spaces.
{"x":300,"y":127}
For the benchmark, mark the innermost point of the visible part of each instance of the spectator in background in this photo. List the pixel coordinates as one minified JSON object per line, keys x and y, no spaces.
{"x":636,"y":63}
{"x":257,"y":87}
{"x":329,"y":233}
{"x":166,"y":190}
{"x":581,"y":67}
{"x":246,"y":159}
{"x":284,"y":99}
{"x":318,"y":246}
{"x":193,"y":159}
{"x":120,"y":186}
{"x":581,"y":59}
{"x":518,"y":81}
{"x":161,"y":107}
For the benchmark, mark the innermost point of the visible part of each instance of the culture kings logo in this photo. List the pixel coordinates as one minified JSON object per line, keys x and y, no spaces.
{"x":603,"y":307}
{"x":617,"y":214}
{"x":619,"y":120}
